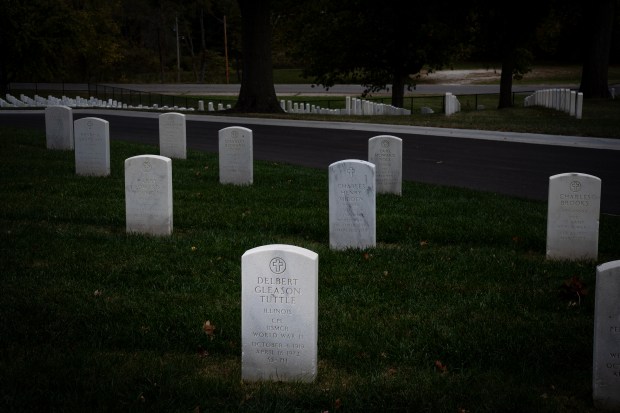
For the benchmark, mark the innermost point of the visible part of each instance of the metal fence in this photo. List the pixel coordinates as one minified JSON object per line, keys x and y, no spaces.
{"x":416,"y":104}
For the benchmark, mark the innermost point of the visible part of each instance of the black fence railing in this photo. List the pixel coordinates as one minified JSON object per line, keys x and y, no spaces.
{"x":135,"y":98}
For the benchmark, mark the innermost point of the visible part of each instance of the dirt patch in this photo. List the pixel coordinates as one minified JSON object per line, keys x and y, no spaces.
{"x":459,"y":77}
{"x":492,"y":75}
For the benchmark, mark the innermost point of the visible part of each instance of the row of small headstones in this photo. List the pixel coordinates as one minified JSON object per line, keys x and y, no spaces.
{"x":79,"y":102}
{"x":279,"y":282}
{"x":353,"y":106}
{"x":452,"y":104}
{"x":564,"y":100}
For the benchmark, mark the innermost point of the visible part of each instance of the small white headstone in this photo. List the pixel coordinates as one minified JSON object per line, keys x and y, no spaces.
{"x":92,"y":147}
{"x":352,"y":204}
{"x":573,"y":216}
{"x":59,"y":127}
{"x":172,"y":135}
{"x":279,"y":313}
{"x":236,"y":156}
{"x":386,"y":152}
{"x":426,"y":110}
{"x":148,"y":194}
{"x":606,"y":355}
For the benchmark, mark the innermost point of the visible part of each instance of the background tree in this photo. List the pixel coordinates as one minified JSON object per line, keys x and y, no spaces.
{"x":56,"y":39}
{"x":598,"y":29}
{"x":374,"y":43}
{"x":257,"y":93}
{"x":507,"y":34}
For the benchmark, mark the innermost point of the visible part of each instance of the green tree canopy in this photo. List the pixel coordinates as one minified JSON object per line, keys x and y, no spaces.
{"x":57,"y":39}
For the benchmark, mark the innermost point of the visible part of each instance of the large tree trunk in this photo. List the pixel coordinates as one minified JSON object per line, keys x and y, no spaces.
{"x":398,"y":90}
{"x":599,"y":16}
{"x":257,"y":93}
{"x":203,"y":49}
{"x":505,"y":82}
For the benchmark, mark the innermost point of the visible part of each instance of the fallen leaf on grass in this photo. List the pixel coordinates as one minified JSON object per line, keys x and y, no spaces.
{"x":208,"y":328}
{"x":441,"y":367}
{"x":202,"y":353}
{"x":572,"y":289}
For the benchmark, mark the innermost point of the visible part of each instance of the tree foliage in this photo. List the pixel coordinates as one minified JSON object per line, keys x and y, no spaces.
{"x":377,"y":44}
{"x":382,"y":45}
{"x":57,"y":39}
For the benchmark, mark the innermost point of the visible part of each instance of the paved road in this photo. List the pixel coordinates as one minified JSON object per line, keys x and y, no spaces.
{"x":506,"y":163}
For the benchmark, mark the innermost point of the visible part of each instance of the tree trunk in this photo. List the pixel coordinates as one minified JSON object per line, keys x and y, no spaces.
{"x":398,"y":90}
{"x":203,"y":49}
{"x":598,"y":29}
{"x":257,"y":93}
{"x":505,"y":82}
{"x":161,"y":56}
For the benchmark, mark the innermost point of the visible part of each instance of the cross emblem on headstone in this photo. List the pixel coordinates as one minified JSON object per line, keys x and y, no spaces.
{"x":575,"y":186}
{"x":277,"y":265}
{"x":350,"y":171}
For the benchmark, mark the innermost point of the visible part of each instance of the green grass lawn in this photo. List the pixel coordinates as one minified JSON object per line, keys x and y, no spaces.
{"x":455,"y":310}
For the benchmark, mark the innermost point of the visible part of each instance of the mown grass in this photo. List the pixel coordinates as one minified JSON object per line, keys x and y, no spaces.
{"x":456,"y":309}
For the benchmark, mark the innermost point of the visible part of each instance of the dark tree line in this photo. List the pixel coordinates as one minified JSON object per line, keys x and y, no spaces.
{"x":378,"y":44}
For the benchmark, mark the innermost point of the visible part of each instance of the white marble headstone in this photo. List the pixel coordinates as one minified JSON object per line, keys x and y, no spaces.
{"x":279,"y":313}
{"x":148,"y":194}
{"x":573,"y":216}
{"x":352,"y":204}
{"x":386,"y":152}
{"x":172,"y":135}
{"x":606,"y":355}
{"x":59,"y":127}
{"x":92,"y":146}
{"x":236,"y":156}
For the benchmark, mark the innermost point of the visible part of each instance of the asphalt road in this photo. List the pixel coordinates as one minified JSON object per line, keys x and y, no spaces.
{"x":506,"y":163}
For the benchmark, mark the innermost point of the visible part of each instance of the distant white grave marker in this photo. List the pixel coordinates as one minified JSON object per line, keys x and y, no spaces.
{"x":92,"y":147}
{"x":148,"y":194}
{"x":606,"y":355}
{"x":279,"y":313}
{"x":386,"y":152}
{"x":172,"y":135}
{"x":573,"y":216}
{"x":236,"y":156}
{"x":352,"y":204}
{"x":59,"y":127}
